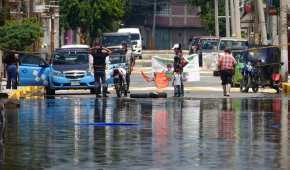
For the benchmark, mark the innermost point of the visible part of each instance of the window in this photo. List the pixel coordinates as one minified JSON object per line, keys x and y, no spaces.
{"x":117,"y":59}
{"x":209,"y":44}
{"x":135,"y":37}
{"x":164,"y":9}
{"x":71,"y":58}
{"x":115,"y":40}
{"x":28,"y":59}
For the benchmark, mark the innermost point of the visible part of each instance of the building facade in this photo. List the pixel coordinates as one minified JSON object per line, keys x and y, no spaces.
{"x":176,"y":22}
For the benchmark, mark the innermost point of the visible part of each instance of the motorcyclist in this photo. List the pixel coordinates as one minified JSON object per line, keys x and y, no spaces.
{"x":119,"y":75}
{"x":121,"y":72}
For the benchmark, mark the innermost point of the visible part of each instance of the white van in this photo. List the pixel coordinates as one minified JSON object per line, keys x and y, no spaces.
{"x":135,"y":38}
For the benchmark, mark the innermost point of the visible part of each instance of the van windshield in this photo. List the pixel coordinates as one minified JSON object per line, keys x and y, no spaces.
{"x":135,"y":37}
{"x":209,"y":44}
{"x":70,"y":58}
{"x":115,"y":40}
{"x":117,"y":59}
{"x":229,"y":44}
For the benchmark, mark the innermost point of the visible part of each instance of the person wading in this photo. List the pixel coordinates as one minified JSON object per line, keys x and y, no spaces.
{"x":100,"y":54}
{"x":226,"y":66}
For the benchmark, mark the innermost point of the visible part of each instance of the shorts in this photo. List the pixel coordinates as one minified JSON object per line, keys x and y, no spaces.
{"x":226,"y":76}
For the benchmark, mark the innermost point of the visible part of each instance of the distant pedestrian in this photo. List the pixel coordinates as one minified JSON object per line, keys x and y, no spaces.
{"x":177,"y":81}
{"x":226,"y":66}
{"x":11,"y":62}
{"x":100,"y":55}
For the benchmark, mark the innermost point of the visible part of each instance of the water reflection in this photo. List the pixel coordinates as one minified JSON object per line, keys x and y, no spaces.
{"x":174,"y":134}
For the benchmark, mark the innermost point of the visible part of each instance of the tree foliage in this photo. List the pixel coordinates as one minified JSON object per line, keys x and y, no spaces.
{"x":92,"y":16}
{"x":19,"y":35}
{"x":208,"y":16}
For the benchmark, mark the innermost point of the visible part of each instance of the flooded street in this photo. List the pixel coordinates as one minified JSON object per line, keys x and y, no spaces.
{"x":172,"y":133}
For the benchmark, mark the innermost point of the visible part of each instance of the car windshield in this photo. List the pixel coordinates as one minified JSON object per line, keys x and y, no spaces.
{"x":135,"y":37}
{"x":116,"y":59}
{"x":195,"y":41}
{"x":229,"y":44}
{"x":65,"y":58}
{"x":209,"y":44}
{"x":115,"y":40}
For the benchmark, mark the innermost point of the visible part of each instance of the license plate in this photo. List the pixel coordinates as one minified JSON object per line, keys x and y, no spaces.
{"x":75,"y":83}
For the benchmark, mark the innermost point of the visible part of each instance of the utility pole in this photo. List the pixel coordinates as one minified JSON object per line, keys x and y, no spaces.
{"x":262,"y":22}
{"x":238,"y":18}
{"x":30,"y":11}
{"x":233,"y":17}
{"x":284,"y":39}
{"x":154,"y":24}
{"x":51,"y":30}
{"x":216,"y":15}
{"x":228,"y":30}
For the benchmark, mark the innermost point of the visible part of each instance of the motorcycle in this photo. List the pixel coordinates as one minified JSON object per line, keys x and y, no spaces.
{"x":250,"y":79}
{"x":120,"y":83}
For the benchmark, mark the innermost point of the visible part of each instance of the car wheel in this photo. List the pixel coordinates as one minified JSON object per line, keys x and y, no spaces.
{"x":244,"y":85}
{"x":93,"y":91}
{"x":255,"y":88}
{"x":49,"y":91}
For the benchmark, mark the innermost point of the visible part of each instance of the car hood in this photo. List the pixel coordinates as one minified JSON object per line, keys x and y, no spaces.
{"x":70,"y":67}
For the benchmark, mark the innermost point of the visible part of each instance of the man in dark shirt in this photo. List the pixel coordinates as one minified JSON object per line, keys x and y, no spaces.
{"x":100,"y":54}
{"x":11,"y":62}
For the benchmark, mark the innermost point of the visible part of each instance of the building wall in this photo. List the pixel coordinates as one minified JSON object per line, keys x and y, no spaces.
{"x":165,"y":37}
{"x":176,"y":22}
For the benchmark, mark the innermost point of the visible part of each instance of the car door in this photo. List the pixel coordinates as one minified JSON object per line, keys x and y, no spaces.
{"x":33,"y":71}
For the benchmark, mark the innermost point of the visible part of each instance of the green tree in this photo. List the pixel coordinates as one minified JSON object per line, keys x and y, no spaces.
{"x":19,"y":35}
{"x":207,"y":14}
{"x":92,"y":16}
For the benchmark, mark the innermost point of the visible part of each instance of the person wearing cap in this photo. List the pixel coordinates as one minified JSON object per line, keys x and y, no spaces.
{"x":179,"y":63}
{"x":100,"y":55}
{"x":226,"y":64}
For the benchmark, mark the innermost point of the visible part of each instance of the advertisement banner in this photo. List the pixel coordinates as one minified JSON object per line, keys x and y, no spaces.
{"x":190,"y":71}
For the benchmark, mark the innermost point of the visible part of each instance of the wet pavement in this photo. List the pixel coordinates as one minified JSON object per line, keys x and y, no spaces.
{"x":228,"y":133}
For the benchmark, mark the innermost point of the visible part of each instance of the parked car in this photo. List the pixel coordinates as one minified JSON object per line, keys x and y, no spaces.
{"x":118,"y":43}
{"x":231,"y":43}
{"x":199,"y":43}
{"x":136,"y":39}
{"x":67,"y":69}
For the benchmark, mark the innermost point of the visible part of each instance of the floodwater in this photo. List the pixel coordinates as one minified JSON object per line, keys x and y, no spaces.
{"x":170,"y":134}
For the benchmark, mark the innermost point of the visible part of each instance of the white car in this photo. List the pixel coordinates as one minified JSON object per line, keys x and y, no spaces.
{"x":136,"y":40}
